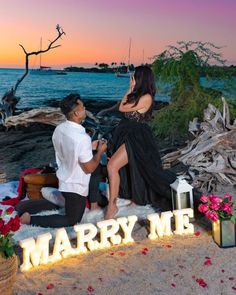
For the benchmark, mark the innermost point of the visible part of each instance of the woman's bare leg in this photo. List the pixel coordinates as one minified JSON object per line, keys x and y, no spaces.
{"x":117,"y":161}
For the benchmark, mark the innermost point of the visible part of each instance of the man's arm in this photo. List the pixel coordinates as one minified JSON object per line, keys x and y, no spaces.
{"x":90,"y":166}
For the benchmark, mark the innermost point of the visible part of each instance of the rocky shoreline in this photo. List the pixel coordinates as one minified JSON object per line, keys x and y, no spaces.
{"x":25,"y":147}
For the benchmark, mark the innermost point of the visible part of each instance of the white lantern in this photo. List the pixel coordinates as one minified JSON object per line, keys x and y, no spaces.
{"x":182,"y":194}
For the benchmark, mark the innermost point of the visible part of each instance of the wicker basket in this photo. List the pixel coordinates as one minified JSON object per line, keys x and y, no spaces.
{"x":34,"y":183}
{"x":8,"y":270}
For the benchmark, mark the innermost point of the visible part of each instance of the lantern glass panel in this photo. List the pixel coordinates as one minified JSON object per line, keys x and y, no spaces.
{"x":184,"y":200}
{"x":224,"y":233}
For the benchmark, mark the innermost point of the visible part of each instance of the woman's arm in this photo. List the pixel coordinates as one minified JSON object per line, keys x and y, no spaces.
{"x":131,"y":88}
{"x":143,"y":105}
{"x":124,"y":99}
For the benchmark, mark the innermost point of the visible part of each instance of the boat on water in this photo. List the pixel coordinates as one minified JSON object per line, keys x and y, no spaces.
{"x":45,"y":70}
{"x":124,"y":75}
{"x":128,"y":73}
{"x":42,"y":70}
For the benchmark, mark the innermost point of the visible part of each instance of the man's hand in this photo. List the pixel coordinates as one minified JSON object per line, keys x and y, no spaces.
{"x":102,"y":146}
{"x":90,"y":166}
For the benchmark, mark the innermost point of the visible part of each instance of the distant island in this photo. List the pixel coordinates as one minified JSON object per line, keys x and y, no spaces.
{"x":122,"y":68}
{"x":102,"y":68}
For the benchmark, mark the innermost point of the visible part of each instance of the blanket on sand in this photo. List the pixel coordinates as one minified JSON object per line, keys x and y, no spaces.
{"x":27,"y":231}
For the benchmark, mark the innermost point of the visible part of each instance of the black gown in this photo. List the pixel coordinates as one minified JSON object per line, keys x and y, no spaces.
{"x":143,"y":179}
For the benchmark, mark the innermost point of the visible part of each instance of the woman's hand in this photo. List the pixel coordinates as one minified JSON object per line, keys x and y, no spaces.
{"x":102,"y":146}
{"x":131,"y":83}
{"x":94,"y":144}
{"x":131,"y":88}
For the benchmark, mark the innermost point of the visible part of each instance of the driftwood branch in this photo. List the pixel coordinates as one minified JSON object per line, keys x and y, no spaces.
{"x":60,"y":32}
{"x":9,"y":99}
{"x":211,"y":156}
{"x":48,"y":115}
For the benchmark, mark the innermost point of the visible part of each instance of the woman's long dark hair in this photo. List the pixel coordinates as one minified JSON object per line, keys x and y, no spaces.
{"x":144,"y":84}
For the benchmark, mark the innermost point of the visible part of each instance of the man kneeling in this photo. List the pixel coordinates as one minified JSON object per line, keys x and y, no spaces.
{"x":73,"y":150}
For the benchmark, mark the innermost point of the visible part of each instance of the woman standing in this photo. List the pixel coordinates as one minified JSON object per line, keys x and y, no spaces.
{"x":135,"y":170}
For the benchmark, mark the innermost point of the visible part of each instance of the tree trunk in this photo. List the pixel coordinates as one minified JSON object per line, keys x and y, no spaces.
{"x":9,"y":99}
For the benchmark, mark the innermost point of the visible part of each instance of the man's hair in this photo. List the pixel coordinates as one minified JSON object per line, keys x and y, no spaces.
{"x":69,"y":103}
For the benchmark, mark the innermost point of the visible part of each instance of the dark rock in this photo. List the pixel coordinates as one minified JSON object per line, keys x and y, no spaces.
{"x":31,"y":146}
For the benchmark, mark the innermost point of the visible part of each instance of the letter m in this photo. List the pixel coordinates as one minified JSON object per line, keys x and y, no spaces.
{"x":160,"y":226}
{"x":35,"y":252}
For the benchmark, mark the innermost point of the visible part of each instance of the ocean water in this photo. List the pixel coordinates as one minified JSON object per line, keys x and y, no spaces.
{"x":36,"y":90}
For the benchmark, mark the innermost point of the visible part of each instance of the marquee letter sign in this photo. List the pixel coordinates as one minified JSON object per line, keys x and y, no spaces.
{"x":36,"y":253}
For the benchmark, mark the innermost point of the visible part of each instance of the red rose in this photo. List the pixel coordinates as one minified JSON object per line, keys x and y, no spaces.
{"x":10,"y":210}
{"x":0,"y":212}
{"x":1,"y":223}
{"x":15,"y":223}
{"x":5,"y":229}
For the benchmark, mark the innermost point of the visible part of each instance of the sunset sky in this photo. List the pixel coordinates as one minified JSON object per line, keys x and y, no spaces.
{"x":99,"y":30}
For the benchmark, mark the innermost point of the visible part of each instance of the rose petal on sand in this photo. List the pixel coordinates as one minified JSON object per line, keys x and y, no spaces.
{"x":231,"y":278}
{"x":207,"y":257}
{"x":201,"y":282}
{"x":40,"y":293}
{"x":112,"y":253}
{"x":121,"y":253}
{"x":144,"y":251}
{"x":222,"y":270}
{"x":163,"y":270}
{"x":50,"y":286}
{"x":197,"y":233}
{"x":176,"y":274}
{"x":173,"y":285}
{"x":221,"y":281}
{"x":100,"y":279}
{"x":207,"y":262}
{"x":181,"y":266}
{"x":90,"y":289}
{"x":166,"y":246}
{"x":234,"y":288}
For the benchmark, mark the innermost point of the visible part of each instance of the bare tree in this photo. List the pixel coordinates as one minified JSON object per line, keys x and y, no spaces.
{"x":9,"y":99}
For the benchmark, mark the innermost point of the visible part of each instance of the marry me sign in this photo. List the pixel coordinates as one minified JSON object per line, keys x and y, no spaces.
{"x":36,"y":252}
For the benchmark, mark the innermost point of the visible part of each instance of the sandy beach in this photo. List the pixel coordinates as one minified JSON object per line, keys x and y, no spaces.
{"x":180,"y":265}
{"x":176,"y":265}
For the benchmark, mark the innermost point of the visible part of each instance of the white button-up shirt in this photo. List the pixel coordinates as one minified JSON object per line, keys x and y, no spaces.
{"x":72,"y":146}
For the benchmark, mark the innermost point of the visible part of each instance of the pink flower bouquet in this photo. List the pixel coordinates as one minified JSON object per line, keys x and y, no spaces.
{"x":215,"y":207}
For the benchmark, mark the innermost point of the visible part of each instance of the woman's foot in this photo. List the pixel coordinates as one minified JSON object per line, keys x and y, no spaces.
{"x":112,"y":210}
{"x":25,"y":218}
{"x":94,"y":206}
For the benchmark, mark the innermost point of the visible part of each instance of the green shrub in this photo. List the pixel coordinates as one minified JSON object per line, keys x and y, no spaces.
{"x":182,"y":66}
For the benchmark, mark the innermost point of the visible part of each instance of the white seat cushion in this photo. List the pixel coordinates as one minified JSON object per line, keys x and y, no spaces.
{"x":53,"y":195}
